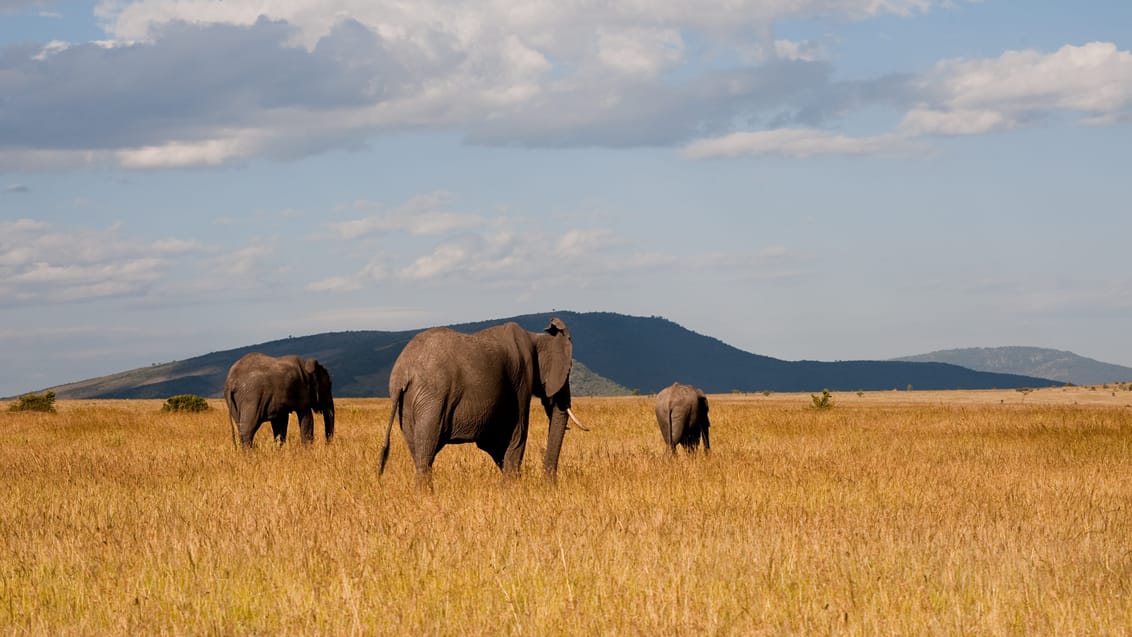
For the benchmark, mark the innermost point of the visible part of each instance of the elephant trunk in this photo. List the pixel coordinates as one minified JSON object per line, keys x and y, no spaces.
{"x":556,"y":411}
{"x":328,"y":419}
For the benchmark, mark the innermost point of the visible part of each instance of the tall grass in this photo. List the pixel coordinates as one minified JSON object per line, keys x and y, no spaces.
{"x":116,"y":518}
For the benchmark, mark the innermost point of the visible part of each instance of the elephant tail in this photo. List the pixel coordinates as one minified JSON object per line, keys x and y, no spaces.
{"x":671,"y":433}
{"x":233,"y":413}
{"x":394,"y":412}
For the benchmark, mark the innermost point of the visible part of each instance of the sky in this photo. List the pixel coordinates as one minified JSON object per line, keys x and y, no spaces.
{"x":803,"y":179}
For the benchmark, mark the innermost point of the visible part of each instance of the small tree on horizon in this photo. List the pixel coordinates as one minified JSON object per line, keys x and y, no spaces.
{"x":825,"y":401}
{"x":185,"y":402}
{"x":44,"y":402}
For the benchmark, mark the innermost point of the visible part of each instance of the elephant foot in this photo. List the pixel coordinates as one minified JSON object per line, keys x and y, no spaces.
{"x":424,"y":483}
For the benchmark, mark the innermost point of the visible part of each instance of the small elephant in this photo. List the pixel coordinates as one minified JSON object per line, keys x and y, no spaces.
{"x":450,"y":388}
{"x":682,"y":413}
{"x":265,"y":388}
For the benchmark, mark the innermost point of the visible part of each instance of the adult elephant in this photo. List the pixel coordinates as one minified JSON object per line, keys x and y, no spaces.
{"x":682,"y":413}
{"x":266,"y":388}
{"x":452,"y":388}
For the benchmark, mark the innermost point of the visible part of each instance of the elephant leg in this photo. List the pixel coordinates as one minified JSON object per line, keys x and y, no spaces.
{"x":423,"y":460}
{"x":514,"y":445}
{"x":423,"y":469}
{"x":494,"y":448}
{"x":692,"y":441}
{"x":306,"y":426}
{"x":513,"y":455}
{"x":423,"y":438}
{"x":247,"y":432}
{"x":279,"y":428}
{"x":678,"y":433}
{"x":707,"y":441}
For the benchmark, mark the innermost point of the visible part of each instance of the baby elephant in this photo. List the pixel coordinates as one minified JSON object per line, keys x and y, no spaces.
{"x":682,"y":413}
{"x":265,"y":388}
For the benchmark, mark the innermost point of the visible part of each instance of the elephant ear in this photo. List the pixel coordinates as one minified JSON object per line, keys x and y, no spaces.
{"x":311,"y":369}
{"x":555,"y":357}
{"x":702,"y":399}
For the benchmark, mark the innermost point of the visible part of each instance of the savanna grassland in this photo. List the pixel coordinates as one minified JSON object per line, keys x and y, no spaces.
{"x":987,"y":513}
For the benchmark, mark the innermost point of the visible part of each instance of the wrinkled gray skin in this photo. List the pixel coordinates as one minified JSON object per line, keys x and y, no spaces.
{"x":452,"y":388}
{"x":682,"y":413}
{"x":263,"y":388}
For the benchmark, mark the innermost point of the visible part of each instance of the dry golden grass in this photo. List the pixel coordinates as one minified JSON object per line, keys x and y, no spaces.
{"x":893,"y":513}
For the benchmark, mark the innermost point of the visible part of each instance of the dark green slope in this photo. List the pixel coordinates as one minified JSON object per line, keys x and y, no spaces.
{"x":649,"y":353}
{"x":615,"y":351}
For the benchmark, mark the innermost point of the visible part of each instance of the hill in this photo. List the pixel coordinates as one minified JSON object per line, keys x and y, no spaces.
{"x":1052,"y":364}
{"x":615,"y":352}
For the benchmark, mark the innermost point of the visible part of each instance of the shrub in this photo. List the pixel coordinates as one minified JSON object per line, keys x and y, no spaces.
{"x":185,"y":402}
{"x":35,"y":402}
{"x":825,"y":401}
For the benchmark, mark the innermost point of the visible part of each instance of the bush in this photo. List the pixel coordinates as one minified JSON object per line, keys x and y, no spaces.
{"x":185,"y":402}
{"x":35,"y":402}
{"x":825,"y":401}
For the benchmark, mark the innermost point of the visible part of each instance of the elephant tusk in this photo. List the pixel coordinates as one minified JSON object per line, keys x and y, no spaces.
{"x":575,"y":420}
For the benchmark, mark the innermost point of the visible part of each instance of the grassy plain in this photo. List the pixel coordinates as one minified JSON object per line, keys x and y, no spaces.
{"x":989,"y":513}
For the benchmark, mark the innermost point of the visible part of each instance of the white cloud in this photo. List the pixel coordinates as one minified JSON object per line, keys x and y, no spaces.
{"x":1095,"y":77}
{"x":577,"y":243}
{"x":637,"y":51}
{"x":211,"y":152}
{"x":976,"y":96}
{"x":444,"y":259}
{"x":524,"y":71}
{"x":423,"y":215}
{"x":551,"y":24}
{"x":519,"y":250}
{"x":244,"y":264}
{"x":792,"y":142}
{"x":39,"y":264}
{"x":967,"y":97}
{"x":335,"y":284}
{"x":485,"y":257}
{"x":49,"y":49}
{"x":195,"y":82}
{"x":794,"y":50}
{"x":920,"y":121}
{"x":42,"y":263}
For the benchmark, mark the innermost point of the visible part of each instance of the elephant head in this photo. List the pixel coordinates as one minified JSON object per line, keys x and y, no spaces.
{"x":555,"y":353}
{"x":321,"y":399}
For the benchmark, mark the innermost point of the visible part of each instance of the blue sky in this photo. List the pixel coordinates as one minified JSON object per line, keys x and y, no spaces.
{"x":805,"y":179}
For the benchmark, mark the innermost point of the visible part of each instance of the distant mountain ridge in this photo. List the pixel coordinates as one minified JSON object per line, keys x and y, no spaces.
{"x":1052,"y":364}
{"x":616,"y":353}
